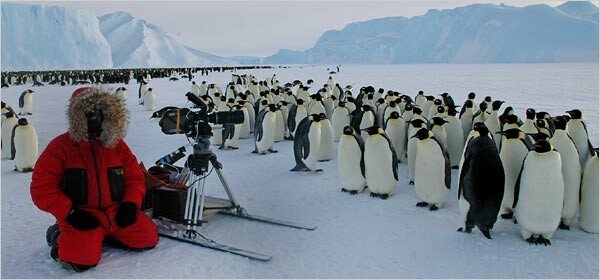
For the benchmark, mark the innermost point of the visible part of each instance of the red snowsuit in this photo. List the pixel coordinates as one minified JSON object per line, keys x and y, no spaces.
{"x":96,"y":179}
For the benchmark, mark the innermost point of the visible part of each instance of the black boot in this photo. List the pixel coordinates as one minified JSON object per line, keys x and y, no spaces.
{"x":52,"y":235}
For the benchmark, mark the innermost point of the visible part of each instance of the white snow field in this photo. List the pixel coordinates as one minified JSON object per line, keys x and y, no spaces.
{"x":357,"y":236}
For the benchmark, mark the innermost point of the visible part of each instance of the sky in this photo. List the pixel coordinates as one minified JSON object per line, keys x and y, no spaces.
{"x":261,"y":28}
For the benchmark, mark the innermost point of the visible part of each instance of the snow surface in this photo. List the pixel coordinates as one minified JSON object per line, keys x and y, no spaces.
{"x":357,"y":236}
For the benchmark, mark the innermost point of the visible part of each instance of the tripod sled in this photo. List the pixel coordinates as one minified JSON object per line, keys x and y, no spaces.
{"x":198,"y":204}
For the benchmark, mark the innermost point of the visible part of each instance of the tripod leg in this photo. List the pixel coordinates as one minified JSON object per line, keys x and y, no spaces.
{"x":226,"y":186}
{"x":199,"y":204}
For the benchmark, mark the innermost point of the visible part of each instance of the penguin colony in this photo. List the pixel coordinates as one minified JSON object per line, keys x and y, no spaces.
{"x":542,"y":171}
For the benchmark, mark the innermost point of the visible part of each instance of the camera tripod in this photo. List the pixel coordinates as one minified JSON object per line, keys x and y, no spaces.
{"x":198,"y":164}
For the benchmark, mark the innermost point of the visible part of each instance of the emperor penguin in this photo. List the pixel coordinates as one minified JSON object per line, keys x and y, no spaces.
{"x":297,"y":113}
{"x":302,"y":93}
{"x":438,"y":130}
{"x":455,"y":136}
{"x":339,"y":120}
{"x":279,"y":125}
{"x":408,"y":112}
{"x":245,"y":125}
{"x":448,"y":100}
{"x":10,"y":122}
{"x":470,"y":97}
{"x":331,"y":82}
{"x":545,"y":117}
{"x":395,"y":129}
{"x":231,"y":133}
{"x":283,"y":107}
{"x":578,"y":131}
{"x":326,"y":150}
{"x":203,"y":89}
{"x":141,"y":91}
{"x":366,"y":120}
{"x":510,"y":122}
{"x":250,"y":110}
{"x":387,"y":111}
{"x":149,"y":100}
{"x":329,"y":103}
{"x":317,"y":105}
{"x":466,"y":118}
{"x":264,"y":132}
{"x":6,"y":109}
{"x":482,"y":114}
{"x":571,"y":170}
{"x":437,"y":103}
{"x":411,"y":150}
{"x":195,"y":89}
{"x":381,"y":163}
{"x":513,"y":152}
{"x":307,"y":141}
{"x":493,"y":123}
{"x":432,"y":171}
{"x":588,"y":211}
{"x":528,"y":127}
{"x":488,"y":102}
{"x":121,"y":94}
{"x":427,"y":106}
{"x":25,"y":145}
{"x":420,"y":99}
{"x":539,"y":194}
{"x":26,"y":102}
{"x":481,"y":184}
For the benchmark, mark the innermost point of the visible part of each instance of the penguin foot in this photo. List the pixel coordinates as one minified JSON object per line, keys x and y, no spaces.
{"x":273,"y":151}
{"x":455,"y":167}
{"x":542,"y":240}
{"x":353,"y":192}
{"x":234,"y":148}
{"x":30,"y":114}
{"x":384,"y":196}
{"x":466,"y":230}
{"x":255,"y":152}
{"x":374,"y":195}
{"x":26,"y":170}
{"x":319,"y":170}
{"x":288,"y":138}
{"x":411,"y":183}
{"x":345,"y":190}
{"x":221,"y":148}
{"x":433,"y":208}
{"x":486,"y":233}
{"x":263,"y":153}
{"x":323,"y":160}
{"x":515,"y":221}
{"x":364,"y":188}
{"x":563,"y":226}
{"x":507,"y":216}
{"x":532,"y":240}
{"x":422,"y":204}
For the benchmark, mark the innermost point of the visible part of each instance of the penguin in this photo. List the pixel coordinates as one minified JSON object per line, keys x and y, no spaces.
{"x":279,"y":125}
{"x":316,"y":106}
{"x":245,"y":126}
{"x":411,"y":150}
{"x":493,"y":123}
{"x":432,"y":171}
{"x":195,"y":89}
{"x":455,"y":137}
{"x":330,"y":103}
{"x":264,"y":131}
{"x":466,"y":118}
{"x":25,"y":146}
{"x":283,"y":107}
{"x":513,"y":152}
{"x":141,"y":91}
{"x":448,"y":100}
{"x":6,"y":109}
{"x":408,"y":113}
{"x":339,"y":120}
{"x":588,"y":208}
{"x":149,"y":100}
{"x":297,"y":113}
{"x":545,"y":117}
{"x":202,"y":89}
{"x":578,"y":131}
{"x":509,"y":115}
{"x":381,"y":163}
{"x":438,"y":130}
{"x":511,"y":122}
{"x":387,"y":111}
{"x":539,"y":194}
{"x":528,"y":126}
{"x":571,"y":170}
{"x":435,"y":108}
{"x":302,"y":93}
{"x":231,"y":134}
{"x":26,"y":102}
{"x":326,"y":150}
{"x":121,"y":94}
{"x":440,"y":112}
{"x":420,"y":99}
{"x":543,"y":130}
{"x":482,"y":114}
{"x":8,"y":124}
{"x":365,"y":120}
{"x":488,"y":102}
{"x":395,"y":129}
{"x":307,"y":142}
{"x":481,"y":184}
{"x":427,"y":106}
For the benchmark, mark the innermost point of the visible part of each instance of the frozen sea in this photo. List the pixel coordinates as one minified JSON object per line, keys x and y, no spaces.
{"x":357,"y":236}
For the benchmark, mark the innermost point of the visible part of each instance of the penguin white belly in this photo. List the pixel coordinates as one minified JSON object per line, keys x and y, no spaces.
{"x":285,"y":113}
{"x":301,"y":113}
{"x":455,"y":140}
{"x":367,"y":121}
{"x":121,"y":96}
{"x":429,"y":172}
{"x":339,"y":120}
{"x":467,"y":122}
{"x":245,"y":126}
{"x":378,"y":165}
{"x":349,"y":155}
{"x":493,"y":126}
{"x":512,"y":154}
{"x":541,"y":194}
{"x":588,"y":213}
{"x":251,"y":115}
{"x":327,"y":146}
{"x":528,"y":127}
{"x":233,"y":141}
{"x":149,"y":101}
{"x":279,"y":133}
{"x":26,"y":145}
{"x":317,"y":108}
{"x":28,"y":104}
{"x":268,"y":136}
{"x":463,"y":208}
{"x":577,"y":132}
{"x":7,"y":126}
{"x":571,"y":171}
{"x":395,"y":130}
{"x":412,"y":156}
{"x":314,"y":137}
{"x":440,"y":134}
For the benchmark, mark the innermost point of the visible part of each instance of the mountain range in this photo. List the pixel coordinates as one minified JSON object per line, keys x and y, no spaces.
{"x":38,"y":37}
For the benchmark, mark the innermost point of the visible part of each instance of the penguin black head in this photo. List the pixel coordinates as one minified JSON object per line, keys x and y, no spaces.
{"x":408,"y":107}
{"x":437,"y":102}
{"x":542,"y":146}
{"x":22,"y":121}
{"x":300,"y":101}
{"x":445,"y":94}
{"x":372,"y":130}
{"x":309,"y":81}
{"x":420,"y":92}
{"x":264,"y":102}
{"x":348,"y":130}
{"x":469,"y":104}
{"x":508,"y":111}
{"x":217,"y":94}
{"x":380,"y":101}
{"x":10,"y":115}
{"x":333,"y":97}
{"x":350,"y":99}
{"x":482,"y":106}
{"x":193,"y":82}
{"x":231,"y":100}
{"x":438,"y":121}
{"x":512,"y":133}
{"x":322,"y":116}
{"x":575,"y":114}
{"x":395,"y":115}
{"x":560,"y":122}
{"x":365,"y":108}
{"x":241,"y":102}
{"x":542,"y":115}
{"x":422,"y":134}
{"x":512,"y":119}
{"x":372,"y":89}
{"x":223,"y":98}
{"x":273,"y":107}
{"x":452,"y":111}
{"x":305,"y":88}
{"x":530,"y":113}
{"x":3,"y":104}
{"x":471,"y":95}
{"x":283,"y":103}
{"x":481,"y":128}
{"x":203,"y":82}
{"x":392,"y":104}
{"x":430,"y":98}
{"x":441,"y":109}
{"x":540,"y":123}
{"x":496,"y":105}
{"x":417,"y":111}
{"x":315,"y":117}
{"x":417,"y":122}
{"x":488,"y":99}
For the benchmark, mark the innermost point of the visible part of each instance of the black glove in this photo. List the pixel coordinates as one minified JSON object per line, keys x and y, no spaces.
{"x":81,"y":219}
{"x":126,"y":214}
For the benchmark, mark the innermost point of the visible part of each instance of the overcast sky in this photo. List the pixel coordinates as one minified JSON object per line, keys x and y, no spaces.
{"x":260,"y":28}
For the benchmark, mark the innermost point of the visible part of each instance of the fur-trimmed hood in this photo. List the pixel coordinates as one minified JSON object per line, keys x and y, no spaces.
{"x":114,"y":113}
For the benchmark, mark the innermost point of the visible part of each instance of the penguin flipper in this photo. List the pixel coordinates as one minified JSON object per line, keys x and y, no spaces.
{"x":463,"y":171}
{"x":292,"y":117}
{"x":394,"y":156}
{"x":258,"y":129}
{"x":361,"y":146}
{"x":13,"y":149}
{"x":22,"y":101}
{"x":447,"y":179}
{"x":527,"y":142}
{"x":518,"y":184}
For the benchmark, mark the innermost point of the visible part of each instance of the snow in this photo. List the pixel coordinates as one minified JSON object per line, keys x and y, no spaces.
{"x":357,"y":236}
